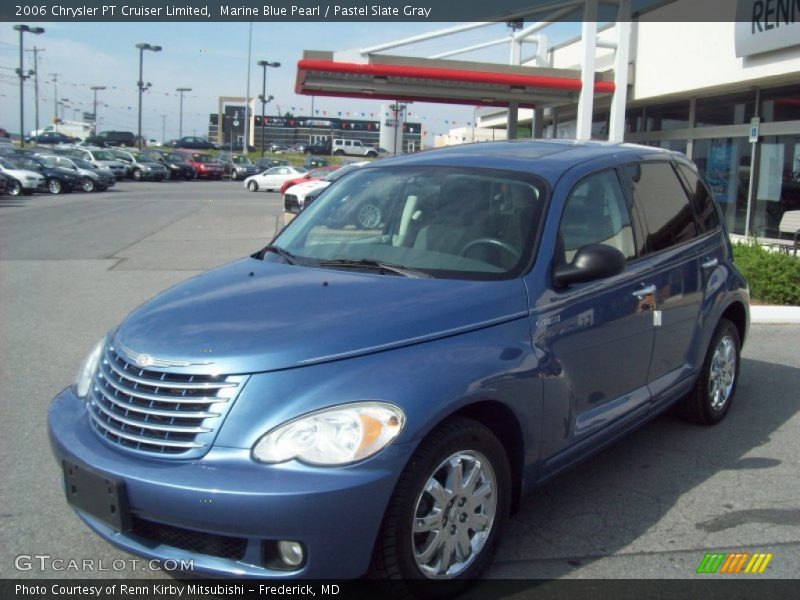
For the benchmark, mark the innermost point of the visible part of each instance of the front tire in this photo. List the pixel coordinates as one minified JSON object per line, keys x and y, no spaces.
{"x":448,"y":510}
{"x":712,"y":394}
{"x":87,"y":185}
{"x":252,"y":186}
{"x":54,"y":186}
{"x":14,"y":188}
{"x":137,"y":175}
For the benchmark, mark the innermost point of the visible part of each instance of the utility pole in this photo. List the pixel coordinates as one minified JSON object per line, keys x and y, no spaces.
{"x":55,"y":94}
{"x":163,"y":128}
{"x":95,"y":89}
{"x":36,"y":80}
{"x":181,"y":90}
{"x":247,"y":93}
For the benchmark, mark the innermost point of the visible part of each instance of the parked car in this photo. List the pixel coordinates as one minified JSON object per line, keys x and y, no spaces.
{"x":5,"y":181}
{"x":142,"y":166}
{"x":177,"y":165}
{"x":99,"y":157}
{"x":53,"y":137}
{"x":315,"y":162}
{"x":22,"y":181}
{"x":264,"y":163}
{"x":195,"y":143}
{"x":113,"y":138}
{"x":57,"y":180}
{"x":322,"y":146}
{"x":204,"y":164}
{"x":236,"y":166}
{"x":301,"y":195}
{"x":524,"y":306}
{"x":313,"y":175}
{"x":90,"y":177}
{"x":272,"y":179}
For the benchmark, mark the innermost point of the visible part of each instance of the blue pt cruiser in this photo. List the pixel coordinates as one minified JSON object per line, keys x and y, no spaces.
{"x":375,"y":395}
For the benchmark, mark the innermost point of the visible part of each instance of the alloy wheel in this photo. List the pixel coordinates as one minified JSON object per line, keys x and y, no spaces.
{"x":722,"y":373}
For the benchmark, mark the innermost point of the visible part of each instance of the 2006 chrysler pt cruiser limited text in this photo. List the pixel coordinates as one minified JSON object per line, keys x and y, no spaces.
{"x":378,"y":399}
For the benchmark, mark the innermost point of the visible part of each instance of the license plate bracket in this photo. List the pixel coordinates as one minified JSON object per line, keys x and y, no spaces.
{"x":101,"y":496}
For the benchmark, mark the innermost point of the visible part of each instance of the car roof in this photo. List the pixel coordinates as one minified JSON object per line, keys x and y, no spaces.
{"x":546,"y":158}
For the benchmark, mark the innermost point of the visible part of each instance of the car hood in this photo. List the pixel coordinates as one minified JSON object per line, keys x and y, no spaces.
{"x":252,"y":316}
{"x":301,"y":189}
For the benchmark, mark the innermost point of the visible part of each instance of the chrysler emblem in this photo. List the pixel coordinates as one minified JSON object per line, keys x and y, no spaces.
{"x":144,"y":360}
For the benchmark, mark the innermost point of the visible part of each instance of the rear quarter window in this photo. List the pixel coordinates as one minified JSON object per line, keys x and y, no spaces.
{"x":701,"y":198}
{"x":664,"y":204}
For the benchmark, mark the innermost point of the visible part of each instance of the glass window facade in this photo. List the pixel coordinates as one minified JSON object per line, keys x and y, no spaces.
{"x":782,"y":104}
{"x":733,"y":109}
{"x":667,"y":116}
{"x":725,"y":164}
{"x":778,"y":183}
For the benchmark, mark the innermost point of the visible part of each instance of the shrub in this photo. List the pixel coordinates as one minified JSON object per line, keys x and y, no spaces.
{"x":774,"y":277}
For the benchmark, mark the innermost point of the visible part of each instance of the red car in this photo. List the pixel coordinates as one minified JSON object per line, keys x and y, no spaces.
{"x":313,"y":175}
{"x":204,"y":164}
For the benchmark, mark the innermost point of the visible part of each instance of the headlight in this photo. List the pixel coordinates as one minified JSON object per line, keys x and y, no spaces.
{"x":83,"y":380}
{"x":334,"y":436}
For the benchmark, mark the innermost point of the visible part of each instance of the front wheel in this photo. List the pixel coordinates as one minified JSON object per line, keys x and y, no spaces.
{"x":252,"y":186}
{"x":54,"y":186}
{"x":14,"y":188}
{"x":712,"y":394}
{"x":138,"y":175}
{"x":87,"y":185}
{"x":448,"y":509}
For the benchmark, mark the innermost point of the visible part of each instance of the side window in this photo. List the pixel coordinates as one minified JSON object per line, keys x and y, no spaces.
{"x":667,"y":213}
{"x":703,"y":203}
{"x":596,"y":213}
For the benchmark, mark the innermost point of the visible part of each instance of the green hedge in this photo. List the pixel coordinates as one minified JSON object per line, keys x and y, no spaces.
{"x":774,"y":277}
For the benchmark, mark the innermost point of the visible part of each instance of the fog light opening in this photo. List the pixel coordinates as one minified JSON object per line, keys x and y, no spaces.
{"x":291,"y":553}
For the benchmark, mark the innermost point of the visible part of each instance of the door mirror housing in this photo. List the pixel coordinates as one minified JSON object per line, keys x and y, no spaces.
{"x":591,"y":262}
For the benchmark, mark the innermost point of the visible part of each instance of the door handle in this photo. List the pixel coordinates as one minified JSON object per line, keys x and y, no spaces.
{"x":710,"y":263}
{"x":645,"y":291}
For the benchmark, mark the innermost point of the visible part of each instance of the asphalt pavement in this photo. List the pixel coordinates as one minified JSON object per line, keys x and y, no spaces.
{"x":72,"y":266}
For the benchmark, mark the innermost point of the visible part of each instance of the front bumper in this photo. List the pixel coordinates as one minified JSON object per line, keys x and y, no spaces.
{"x":334,"y":512}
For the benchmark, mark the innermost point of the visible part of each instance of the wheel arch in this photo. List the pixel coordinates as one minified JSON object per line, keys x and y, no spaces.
{"x":736,"y":313}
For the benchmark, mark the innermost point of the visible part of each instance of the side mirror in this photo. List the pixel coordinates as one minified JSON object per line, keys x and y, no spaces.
{"x":593,"y":261}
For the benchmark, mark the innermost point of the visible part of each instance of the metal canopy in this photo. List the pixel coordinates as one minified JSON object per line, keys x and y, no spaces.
{"x":405,"y":78}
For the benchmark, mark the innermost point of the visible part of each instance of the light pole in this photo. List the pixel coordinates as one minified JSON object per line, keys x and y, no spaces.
{"x":180,"y":118}
{"x":22,"y":77}
{"x":263,"y":97}
{"x":140,"y":84}
{"x":95,"y":89}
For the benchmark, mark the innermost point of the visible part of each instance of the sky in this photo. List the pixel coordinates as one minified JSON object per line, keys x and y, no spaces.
{"x":212,"y":60}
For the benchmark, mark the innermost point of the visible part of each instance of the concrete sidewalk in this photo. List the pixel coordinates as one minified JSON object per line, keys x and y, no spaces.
{"x":775,"y":314}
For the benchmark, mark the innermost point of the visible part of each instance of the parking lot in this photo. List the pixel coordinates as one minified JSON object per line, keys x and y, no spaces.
{"x":72,"y":266}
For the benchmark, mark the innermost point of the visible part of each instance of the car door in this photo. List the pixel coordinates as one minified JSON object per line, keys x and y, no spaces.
{"x":595,"y":338}
{"x":676,"y":253}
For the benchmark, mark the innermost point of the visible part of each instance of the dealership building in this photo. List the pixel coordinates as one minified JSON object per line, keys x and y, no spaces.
{"x":723,"y":88}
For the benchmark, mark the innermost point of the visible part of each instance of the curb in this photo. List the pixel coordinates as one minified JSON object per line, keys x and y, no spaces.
{"x":775,"y":314}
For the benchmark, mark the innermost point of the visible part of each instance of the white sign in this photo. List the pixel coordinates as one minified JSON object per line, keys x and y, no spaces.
{"x":754,"y":127}
{"x":766,"y":25}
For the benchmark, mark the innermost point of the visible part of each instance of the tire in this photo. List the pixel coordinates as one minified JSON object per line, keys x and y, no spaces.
{"x":339,"y":152}
{"x":14,"y":188}
{"x":407,"y":560}
{"x":87,"y":185}
{"x":54,"y":186}
{"x":252,"y":186}
{"x":712,"y":394}
{"x":137,"y":175}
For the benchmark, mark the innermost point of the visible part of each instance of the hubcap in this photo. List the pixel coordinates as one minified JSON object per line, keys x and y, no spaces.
{"x":453,"y":515}
{"x":723,"y":373}
{"x":55,"y":186}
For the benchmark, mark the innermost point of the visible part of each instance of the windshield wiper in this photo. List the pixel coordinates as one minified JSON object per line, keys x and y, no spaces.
{"x":383,"y":267}
{"x":285,"y":254}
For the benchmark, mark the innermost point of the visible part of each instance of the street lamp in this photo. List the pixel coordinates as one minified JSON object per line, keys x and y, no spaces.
{"x":180,"y":118}
{"x":95,"y":89}
{"x":22,"y":77}
{"x":263,"y":97}
{"x":140,"y":84}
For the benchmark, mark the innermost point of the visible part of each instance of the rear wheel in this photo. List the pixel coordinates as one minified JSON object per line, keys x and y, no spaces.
{"x":339,"y":152}
{"x":87,"y":185}
{"x":137,"y":175}
{"x":711,"y":397}
{"x":252,"y":186}
{"x":448,"y":509}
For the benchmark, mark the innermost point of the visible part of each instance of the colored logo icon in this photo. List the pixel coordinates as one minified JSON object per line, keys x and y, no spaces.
{"x":733,"y":563}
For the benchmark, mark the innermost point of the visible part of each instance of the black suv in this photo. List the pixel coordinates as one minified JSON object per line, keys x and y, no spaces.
{"x":113,"y":138}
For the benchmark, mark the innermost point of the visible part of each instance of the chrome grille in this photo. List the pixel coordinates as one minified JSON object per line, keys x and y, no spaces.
{"x":158,"y":412}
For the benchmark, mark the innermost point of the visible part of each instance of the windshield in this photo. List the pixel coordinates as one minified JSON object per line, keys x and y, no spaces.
{"x":102,"y":155}
{"x":339,"y":173}
{"x":50,"y":161}
{"x":202,"y":158}
{"x":241,"y":160}
{"x":443,"y":221}
{"x":83,"y":164}
{"x":23,"y":162}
